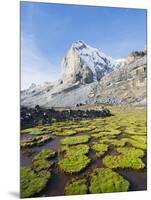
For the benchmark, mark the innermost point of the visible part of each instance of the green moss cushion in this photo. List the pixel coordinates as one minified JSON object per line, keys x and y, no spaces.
{"x":99,"y":149}
{"x":130,"y":151}
{"x":31,"y":183}
{"x":45,"y":154}
{"x":123,"y":161}
{"x":75,"y":149}
{"x":76,"y":186}
{"x":73,"y":164}
{"x":105,"y":180}
{"x":75,"y":140}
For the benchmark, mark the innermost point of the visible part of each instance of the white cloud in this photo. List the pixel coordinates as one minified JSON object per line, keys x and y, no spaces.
{"x":35,"y":68}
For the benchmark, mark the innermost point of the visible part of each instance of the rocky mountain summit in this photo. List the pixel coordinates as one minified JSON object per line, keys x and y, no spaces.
{"x":89,"y":76}
{"x":86,"y":64}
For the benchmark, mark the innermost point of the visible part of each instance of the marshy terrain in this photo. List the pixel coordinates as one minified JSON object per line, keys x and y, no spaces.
{"x":96,"y":151}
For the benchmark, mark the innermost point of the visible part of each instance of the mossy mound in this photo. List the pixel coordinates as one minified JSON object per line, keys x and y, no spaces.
{"x":135,"y":143}
{"x":96,"y":130}
{"x":140,"y":138}
{"x":108,"y":137}
{"x":76,"y":187}
{"x":123,"y":161}
{"x":105,"y":180}
{"x":134,"y":130}
{"x":41,"y":160}
{"x":113,"y":142}
{"x":32,"y":183}
{"x":130,"y":151}
{"x":75,"y":140}
{"x":97,"y":135}
{"x":111,"y":131}
{"x":41,"y":164}
{"x":138,"y":144}
{"x":64,"y":133}
{"x":141,"y":129}
{"x":75,"y":149}
{"x":44,"y":154}
{"x":106,"y":133}
{"x":74,"y":164}
{"x":75,"y":125}
{"x":34,"y":180}
{"x":99,"y":149}
{"x":85,"y":121}
{"x":39,"y":140}
{"x":42,"y":139}
{"x":84,"y":129}
{"x":34,"y":131}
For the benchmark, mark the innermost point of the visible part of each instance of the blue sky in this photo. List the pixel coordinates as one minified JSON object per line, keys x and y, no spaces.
{"x":48,"y":30}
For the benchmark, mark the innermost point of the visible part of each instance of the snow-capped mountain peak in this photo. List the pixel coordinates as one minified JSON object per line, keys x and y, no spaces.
{"x":83,"y":57}
{"x":86,"y":78}
{"x":79,"y":44}
{"x":85,"y":49}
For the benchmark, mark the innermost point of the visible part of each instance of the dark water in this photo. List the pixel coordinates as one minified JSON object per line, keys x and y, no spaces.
{"x":137,"y":178}
{"x":28,"y":153}
{"x":56,"y":185}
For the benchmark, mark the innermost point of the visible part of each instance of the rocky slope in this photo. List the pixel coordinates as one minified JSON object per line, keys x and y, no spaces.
{"x":89,"y":76}
{"x":126,"y":85}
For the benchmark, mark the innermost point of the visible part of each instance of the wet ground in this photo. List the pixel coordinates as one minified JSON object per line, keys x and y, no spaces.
{"x":56,"y":185}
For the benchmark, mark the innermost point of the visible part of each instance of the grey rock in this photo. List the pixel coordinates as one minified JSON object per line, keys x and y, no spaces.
{"x":125,"y":85}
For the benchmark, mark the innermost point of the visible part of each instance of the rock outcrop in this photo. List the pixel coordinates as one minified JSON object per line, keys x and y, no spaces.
{"x":135,"y":55}
{"x":37,"y":116}
{"x":126,"y":85}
